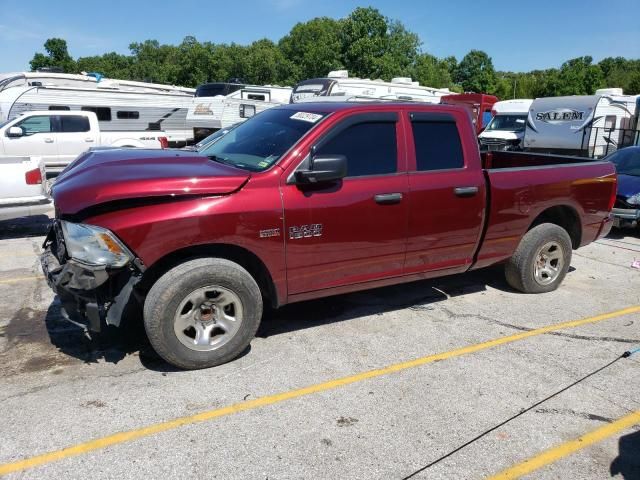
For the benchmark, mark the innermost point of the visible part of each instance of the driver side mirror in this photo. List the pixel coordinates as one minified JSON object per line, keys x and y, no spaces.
{"x":15,"y":132}
{"x":324,"y":168}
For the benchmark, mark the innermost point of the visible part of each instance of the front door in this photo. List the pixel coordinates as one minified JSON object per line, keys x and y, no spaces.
{"x":37,"y":140}
{"x":353,"y":230}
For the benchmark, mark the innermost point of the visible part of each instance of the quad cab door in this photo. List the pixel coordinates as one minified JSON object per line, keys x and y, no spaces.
{"x":38,"y":139}
{"x":352,"y":230}
{"x":446,"y":191}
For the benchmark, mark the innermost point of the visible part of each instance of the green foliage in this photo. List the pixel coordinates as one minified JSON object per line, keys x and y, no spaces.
{"x":57,"y":56}
{"x":366,"y":43}
{"x":475,"y":73}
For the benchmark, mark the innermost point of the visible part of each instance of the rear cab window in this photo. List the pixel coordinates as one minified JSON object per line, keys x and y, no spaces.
{"x":74,"y":123}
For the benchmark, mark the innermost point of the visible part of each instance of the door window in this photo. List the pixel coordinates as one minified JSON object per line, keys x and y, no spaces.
{"x":35,"y":124}
{"x":370,"y":148}
{"x":74,"y":123}
{"x":438,"y":145}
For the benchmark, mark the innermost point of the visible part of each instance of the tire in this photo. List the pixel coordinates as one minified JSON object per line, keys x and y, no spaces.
{"x":531,"y":268}
{"x":195,"y":293}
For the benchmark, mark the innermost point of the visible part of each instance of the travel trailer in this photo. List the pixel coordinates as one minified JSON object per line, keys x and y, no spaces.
{"x":119,"y":104}
{"x":478,"y":104}
{"x":220,"y":105}
{"x":584,"y":125}
{"x":339,"y":86}
{"x":506,"y":129}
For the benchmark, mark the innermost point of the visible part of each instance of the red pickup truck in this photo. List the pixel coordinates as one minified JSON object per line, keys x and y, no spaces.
{"x":307,"y":201}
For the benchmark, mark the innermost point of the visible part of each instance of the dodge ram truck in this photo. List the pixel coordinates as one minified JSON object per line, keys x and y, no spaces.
{"x":305,"y":201}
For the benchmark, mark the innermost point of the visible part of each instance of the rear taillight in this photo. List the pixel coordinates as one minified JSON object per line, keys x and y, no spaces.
{"x":164,"y":142}
{"x":33,"y":177}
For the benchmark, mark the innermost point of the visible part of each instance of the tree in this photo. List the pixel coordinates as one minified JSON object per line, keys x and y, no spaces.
{"x":313,"y":48}
{"x":475,"y":73}
{"x":431,"y":71}
{"x":374,"y":46}
{"x":57,"y":56}
{"x":265,"y":63}
{"x":579,"y":76}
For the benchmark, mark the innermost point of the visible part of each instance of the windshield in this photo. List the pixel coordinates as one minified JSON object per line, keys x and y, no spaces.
{"x":627,"y":161}
{"x":259,"y":142}
{"x":214,"y":137}
{"x":513,"y":123}
{"x":2,"y":124}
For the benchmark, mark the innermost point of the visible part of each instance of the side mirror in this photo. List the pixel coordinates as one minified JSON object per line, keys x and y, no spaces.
{"x":323,"y":169}
{"x":14,"y":132}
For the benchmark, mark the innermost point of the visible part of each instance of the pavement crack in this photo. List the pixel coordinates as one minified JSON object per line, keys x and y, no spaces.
{"x":569,"y":411}
{"x":574,"y":336}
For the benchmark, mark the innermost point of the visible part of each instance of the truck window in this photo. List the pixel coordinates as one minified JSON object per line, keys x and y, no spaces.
{"x":438,"y":145}
{"x":103,"y":113}
{"x":35,"y":124}
{"x":370,"y":148}
{"x":74,"y":123}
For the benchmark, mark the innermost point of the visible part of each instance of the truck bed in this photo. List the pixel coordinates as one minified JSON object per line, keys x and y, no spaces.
{"x":525,"y":187}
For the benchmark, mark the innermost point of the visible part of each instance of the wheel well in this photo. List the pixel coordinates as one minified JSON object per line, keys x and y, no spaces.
{"x":565,"y":217}
{"x":243,"y":257}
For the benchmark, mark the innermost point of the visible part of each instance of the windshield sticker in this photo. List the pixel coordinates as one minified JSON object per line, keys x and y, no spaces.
{"x":306,"y":117}
{"x":263,"y":163}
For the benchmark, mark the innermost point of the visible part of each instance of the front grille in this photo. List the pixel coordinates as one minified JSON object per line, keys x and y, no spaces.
{"x":493,"y":143}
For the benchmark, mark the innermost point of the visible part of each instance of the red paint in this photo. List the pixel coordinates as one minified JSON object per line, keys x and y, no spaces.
{"x":476,"y":104}
{"x":431,"y":232}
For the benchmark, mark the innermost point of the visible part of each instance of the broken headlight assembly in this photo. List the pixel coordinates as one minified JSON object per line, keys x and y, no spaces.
{"x":94,"y":246}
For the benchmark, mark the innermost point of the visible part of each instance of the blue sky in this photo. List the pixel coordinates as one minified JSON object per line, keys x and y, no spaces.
{"x":519,"y":35}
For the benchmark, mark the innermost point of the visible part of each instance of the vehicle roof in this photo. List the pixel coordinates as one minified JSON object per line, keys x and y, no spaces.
{"x":56,"y":112}
{"x":328,"y":107}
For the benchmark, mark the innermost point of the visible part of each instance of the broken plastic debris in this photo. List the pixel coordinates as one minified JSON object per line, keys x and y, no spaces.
{"x":636,"y":264}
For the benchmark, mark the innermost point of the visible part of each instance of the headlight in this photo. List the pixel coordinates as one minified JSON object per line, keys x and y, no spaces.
{"x":94,"y":245}
{"x":634,"y":199}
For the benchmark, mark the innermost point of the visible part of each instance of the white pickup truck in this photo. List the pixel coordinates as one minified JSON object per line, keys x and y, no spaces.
{"x":22,"y":188}
{"x":60,"y":136}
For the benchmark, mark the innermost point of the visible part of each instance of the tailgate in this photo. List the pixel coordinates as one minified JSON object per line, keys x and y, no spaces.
{"x":13,"y":185}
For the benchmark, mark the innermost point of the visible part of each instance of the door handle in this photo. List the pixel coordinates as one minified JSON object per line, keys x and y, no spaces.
{"x":465,"y":191}
{"x":88,"y":139}
{"x":48,"y":140}
{"x":388,"y":198}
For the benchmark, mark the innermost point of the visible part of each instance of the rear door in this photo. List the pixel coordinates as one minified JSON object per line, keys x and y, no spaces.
{"x":74,"y":137}
{"x":353,"y":230}
{"x":38,"y":139}
{"x":446,"y":193}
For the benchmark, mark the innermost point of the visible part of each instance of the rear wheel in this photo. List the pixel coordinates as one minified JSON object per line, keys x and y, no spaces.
{"x":202,"y":313}
{"x":541,"y":260}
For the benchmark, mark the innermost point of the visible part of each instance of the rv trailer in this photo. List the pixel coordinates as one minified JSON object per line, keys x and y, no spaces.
{"x":505,"y":131}
{"x":220,"y":105}
{"x":119,"y":104}
{"x":585,"y":125}
{"x":339,"y":86}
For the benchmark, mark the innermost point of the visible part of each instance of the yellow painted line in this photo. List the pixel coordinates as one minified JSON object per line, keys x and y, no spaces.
{"x":563,"y":450}
{"x":21,"y":279}
{"x":130,"y":435}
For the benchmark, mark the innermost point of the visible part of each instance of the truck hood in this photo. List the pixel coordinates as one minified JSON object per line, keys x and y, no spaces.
{"x":628,"y":185}
{"x":108,"y":175}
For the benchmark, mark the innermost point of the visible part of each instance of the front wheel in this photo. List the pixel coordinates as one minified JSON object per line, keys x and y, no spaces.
{"x":541,"y":260}
{"x":202,"y":313}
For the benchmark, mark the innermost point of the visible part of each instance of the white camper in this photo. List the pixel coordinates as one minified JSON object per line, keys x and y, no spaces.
{"x":585,"y":125}
{"x":220,"y":105}
{"x":119,"y":104}
{"x":506,"y":129}
{"x":338,"y":86}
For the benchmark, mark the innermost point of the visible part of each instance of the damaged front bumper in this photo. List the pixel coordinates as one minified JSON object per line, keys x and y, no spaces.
{"x":90,"y":296}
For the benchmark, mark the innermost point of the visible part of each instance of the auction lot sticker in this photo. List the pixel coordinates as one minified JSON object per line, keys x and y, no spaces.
{"x":306,"y":117}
